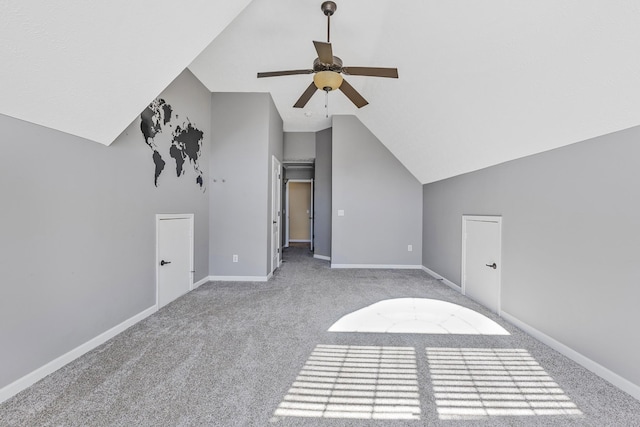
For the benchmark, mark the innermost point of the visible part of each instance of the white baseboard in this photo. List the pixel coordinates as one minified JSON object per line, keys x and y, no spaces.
{"x":615,"y":379}
{"x":299,"y":241}
{"x":386,"y":266}
{"x":239,"y":278}
{"x":325,"y":258}
{"x":201,"y":282}
{"x":20,"y":384}
{"x":442,"y":278}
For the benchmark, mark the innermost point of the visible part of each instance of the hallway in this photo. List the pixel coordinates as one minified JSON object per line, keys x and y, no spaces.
{"x":316,"y":346}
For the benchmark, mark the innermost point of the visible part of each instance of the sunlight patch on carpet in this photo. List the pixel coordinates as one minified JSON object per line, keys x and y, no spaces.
{"x":360,"y":382}
{"x":478,"y":383}
{"x":417,"y":316}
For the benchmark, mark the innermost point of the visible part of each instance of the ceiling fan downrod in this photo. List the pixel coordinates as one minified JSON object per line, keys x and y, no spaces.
{"x":328,"y":8}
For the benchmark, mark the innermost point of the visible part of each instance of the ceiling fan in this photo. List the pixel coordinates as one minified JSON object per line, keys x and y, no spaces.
{"x":328,"y":69}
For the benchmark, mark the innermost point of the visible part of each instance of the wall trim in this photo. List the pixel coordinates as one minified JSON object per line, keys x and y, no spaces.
{"x":323,"y":257}
{"x":387,"y":266}
{"x":239,"y":278}
{"x":615,"y":379}
{"x":442,"y":279}
{"x":299,"y":241}
{"x":200,"y":282}
{"x":31,"y":378}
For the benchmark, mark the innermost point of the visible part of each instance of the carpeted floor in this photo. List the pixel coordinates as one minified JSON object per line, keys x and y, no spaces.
{"x":260,"y":354}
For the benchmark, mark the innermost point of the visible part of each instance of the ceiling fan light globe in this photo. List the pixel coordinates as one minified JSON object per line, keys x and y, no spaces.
{"x":327,"y":80}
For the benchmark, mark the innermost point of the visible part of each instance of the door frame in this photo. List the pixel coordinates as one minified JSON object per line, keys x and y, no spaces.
{"x":276,"y":202}
{"x":287,"y":210}
{"x":161,"y":217}
{"x":482,"y":218}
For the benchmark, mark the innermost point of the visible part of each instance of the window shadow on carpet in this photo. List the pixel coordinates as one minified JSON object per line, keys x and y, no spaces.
{"x":362,"y":382}
{"x":477,"y":383}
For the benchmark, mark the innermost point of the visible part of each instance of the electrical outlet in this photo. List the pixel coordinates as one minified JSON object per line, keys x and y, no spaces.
{"x":410,"y":248}
{"x":235,"y":258}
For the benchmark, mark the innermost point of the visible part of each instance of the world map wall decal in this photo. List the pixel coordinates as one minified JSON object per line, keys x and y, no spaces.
{"x":183,"y":144}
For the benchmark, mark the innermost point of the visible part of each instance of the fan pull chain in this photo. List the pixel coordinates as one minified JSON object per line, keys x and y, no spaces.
{"x":326,"y":102}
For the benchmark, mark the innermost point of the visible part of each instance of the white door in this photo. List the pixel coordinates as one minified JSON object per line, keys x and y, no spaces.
{"x":481,"y":260}
{"x":276,"y":218}
{"x":311,"y":216}
{"x":174,"y":257}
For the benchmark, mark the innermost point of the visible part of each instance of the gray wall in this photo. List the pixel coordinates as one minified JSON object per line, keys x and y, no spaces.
{"x":570,"y":242}
{"x":382,"y":201}
{"x":246,"y":131}
{"x":322,"y":194}
{"x":77,"y":236}
{"x":299,"y":146}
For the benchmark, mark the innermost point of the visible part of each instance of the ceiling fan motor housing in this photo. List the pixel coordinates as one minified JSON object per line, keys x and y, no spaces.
{"x":321,"y":66}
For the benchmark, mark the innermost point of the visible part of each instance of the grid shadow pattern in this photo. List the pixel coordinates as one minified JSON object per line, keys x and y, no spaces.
{"x":477,"y":383}
{"x":358,"y":382}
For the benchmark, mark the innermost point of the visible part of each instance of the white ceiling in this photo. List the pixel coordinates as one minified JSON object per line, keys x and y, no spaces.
{"x":480,"y":82}
{"x":89,"y":68}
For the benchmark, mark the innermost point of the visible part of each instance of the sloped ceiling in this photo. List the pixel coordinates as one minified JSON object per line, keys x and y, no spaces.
{"x":89,"y":68}
{"x":480,"y":82}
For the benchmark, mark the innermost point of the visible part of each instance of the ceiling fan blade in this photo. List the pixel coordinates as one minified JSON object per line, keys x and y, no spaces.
{"x":306,"y":96}
{"x":371,"y":71}
{"x":283,"y":73}
{"x":325,"y":53}
{"x":353,"y":94}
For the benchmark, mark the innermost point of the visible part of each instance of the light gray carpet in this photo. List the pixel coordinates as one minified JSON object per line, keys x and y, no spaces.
{"x":259,"y":354}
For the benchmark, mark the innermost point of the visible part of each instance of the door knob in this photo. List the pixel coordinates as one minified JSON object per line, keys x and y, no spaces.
{"x":494,"y":266}
{"x":163,"y":262}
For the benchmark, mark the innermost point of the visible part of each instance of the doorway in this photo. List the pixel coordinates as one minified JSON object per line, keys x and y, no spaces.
{"x":299,"y":227}
{"x":174,"y":257}
{"x":482,"y":260}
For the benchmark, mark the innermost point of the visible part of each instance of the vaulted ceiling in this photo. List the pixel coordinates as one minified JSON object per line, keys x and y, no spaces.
{"x":89,"y":68}
{"x":480,"y":82}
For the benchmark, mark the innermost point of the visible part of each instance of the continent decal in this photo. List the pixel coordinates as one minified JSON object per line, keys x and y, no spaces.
{"x":183,"y":144}
{"x":157,"y":160}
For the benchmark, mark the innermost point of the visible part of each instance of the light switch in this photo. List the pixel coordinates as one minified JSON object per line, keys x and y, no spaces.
{"x":340,"y":212}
